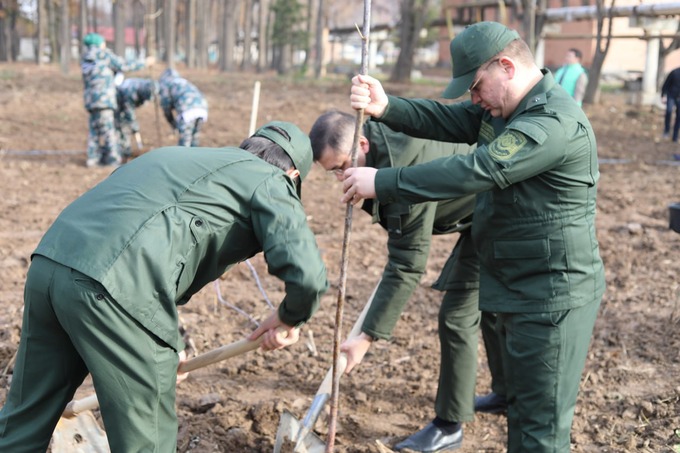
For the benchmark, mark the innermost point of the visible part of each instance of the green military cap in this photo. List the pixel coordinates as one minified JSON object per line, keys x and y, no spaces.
{"x":473,"y":47}
{"x":298,"y":146}
{"x":93,"y":39}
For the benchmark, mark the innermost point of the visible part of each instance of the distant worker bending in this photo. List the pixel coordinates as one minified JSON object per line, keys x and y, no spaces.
{"x":132,"y":93}
{"x":184,"y":107}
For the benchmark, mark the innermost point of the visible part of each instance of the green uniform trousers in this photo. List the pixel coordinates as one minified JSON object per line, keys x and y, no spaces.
{"x":459,"y":324}
{"x":551,"y":350}
{"x":131,"y":369}
{"x":494,"y":355}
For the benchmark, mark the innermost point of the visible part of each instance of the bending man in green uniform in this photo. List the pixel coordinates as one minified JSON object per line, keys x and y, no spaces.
{"x":104,"y":283}
{"x":410,"y":228}
{"x":535,"y":173}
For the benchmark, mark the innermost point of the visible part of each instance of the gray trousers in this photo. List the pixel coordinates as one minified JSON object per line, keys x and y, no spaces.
{"x":71,"y":326}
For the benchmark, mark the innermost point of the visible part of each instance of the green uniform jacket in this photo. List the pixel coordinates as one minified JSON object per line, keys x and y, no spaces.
{"x":536,"y":178}
{"x":160,"y":228}
{"x":410,"y":226}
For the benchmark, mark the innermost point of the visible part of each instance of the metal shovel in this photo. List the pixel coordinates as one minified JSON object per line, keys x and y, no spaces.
{"x":291,"y":430}
{"x":78,"y":432}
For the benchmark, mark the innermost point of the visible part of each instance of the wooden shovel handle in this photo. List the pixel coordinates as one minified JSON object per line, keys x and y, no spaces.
{"x":222,"y":353}
{"x":228,"y":351}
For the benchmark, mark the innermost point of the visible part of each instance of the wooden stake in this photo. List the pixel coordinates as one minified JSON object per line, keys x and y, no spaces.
{"x":253,"y":111}
{"x":332,"y":425}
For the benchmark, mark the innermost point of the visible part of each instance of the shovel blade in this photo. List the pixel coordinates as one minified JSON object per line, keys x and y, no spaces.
{"x":80,"y":434}
{"x":287,"y":437}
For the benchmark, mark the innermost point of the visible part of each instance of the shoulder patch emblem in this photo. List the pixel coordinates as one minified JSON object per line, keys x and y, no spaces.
{"x":506,"y":145}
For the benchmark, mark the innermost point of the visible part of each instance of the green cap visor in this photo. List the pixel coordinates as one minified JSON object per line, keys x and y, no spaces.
{"x":298,"y":148}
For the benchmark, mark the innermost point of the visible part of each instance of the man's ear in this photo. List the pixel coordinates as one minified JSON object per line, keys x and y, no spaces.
{"x":508,"y":65}
{"x":293,"y":173}
{"x":364,"y":146}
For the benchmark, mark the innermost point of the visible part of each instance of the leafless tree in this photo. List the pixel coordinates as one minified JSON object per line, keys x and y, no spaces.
{"x":169,"y":30}
{"x":118,"y":13}
{"x":262,"y":36}
{"x":203,"y":15}
{"x":65,"y":41}
{"x":42,"y":30}
{"x":228,"y":34}
{"x":602,"y":43}
{"x":247,"y":61}
{"x":413,"y":14}
{"x":190,"y":32}
{"x":321,"y":20}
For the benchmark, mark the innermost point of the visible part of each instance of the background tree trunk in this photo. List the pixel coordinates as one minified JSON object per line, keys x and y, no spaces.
{"x":169,"y":32}
{"x":602,"y":42}
{"x":262,"y":36}
{"x":138,"y":12}
{"x":321,"y":37}
{"x":203,"y":18}
{"x":118,"y":16}
{"x":65,"y":25}
{"x":413,"y":13}
{"x":309,"y":44}
{"x":52,"y":31}
{"x":9,"y":37}
{"x":247,"y":62}
{"x":190,"y":31}
{"x":4,"y":32}
{"x":93,"y":19}
{"x":150,"y":26}
{"x":82,"y":24}
{"x":42,"y":29}
{"x":227,"y":36}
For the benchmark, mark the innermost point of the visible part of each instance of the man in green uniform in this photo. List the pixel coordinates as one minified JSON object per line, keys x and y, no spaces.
{"x":410,"y":228}
{"x":105,"y":281}
{"x":535,"y":173}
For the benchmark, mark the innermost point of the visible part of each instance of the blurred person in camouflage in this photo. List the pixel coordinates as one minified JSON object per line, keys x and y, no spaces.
{"x":184,"y":107}
{"x":131,"y":93}
{"x":99,"y":68}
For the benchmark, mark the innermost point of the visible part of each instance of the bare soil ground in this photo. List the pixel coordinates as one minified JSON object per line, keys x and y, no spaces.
{"x":630,"y":392}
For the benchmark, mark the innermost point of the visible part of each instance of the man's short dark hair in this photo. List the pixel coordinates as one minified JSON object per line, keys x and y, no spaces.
{"x":269,"y":151}
{"x":332,"y":129}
